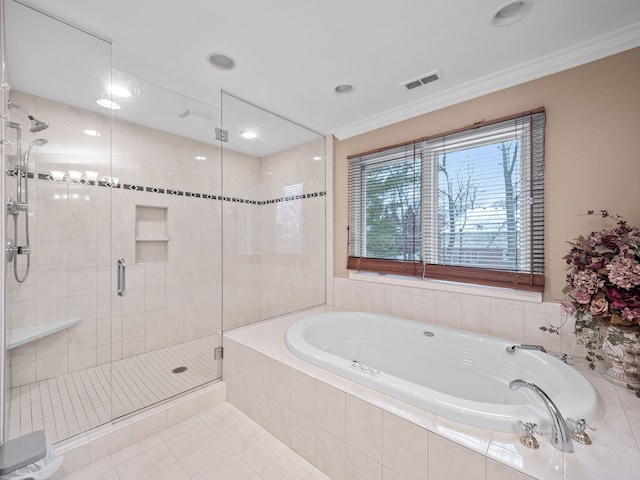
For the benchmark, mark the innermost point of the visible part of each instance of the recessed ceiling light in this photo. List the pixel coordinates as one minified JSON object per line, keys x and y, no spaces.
{"x":91,"y":133}
{"x":511,"y":12}
{"x":103,"y":102}
{"x":221,"y":61}
{"x":317,"y":158}
{"x":249,"y":134}
{"x":344,"y":89}
{"x":200,"y":157}
{"x":119,"y":91}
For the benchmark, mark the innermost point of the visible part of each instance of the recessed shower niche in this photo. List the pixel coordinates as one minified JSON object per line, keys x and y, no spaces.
{"x":152,"y":234}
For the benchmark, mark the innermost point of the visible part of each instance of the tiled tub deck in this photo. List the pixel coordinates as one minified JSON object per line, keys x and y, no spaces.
{"x":350,"y":431}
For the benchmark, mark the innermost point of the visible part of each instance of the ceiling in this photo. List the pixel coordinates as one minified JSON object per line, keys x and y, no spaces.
{"x":291,"y":54}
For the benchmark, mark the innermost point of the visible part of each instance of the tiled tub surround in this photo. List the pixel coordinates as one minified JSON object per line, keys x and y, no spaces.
{"x":516,"y":320}
{"x":350,"y":431}
{"x":471,"y":383}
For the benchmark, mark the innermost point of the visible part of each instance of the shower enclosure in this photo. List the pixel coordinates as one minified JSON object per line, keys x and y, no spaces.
{"x":140,"y":227}
{"x":273,"y":214}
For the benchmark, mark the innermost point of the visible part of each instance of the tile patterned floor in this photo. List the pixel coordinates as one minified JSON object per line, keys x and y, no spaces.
{"x":219,"y":443}
{"x":70,"y":404}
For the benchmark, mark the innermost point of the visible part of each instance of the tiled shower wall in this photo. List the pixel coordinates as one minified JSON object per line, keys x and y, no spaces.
{"x":293,"y":236}
{"x":274,"y":253}
{"x":80,"y":229}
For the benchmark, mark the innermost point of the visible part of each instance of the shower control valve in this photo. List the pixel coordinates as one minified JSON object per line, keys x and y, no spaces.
{"x":12,"y":250}
{"x":13,"y":207}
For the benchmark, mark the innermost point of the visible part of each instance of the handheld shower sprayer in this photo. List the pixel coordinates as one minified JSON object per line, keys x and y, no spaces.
{"x":21,"y":203}
{"x":36,"y":143}
{"x":36,"y":125}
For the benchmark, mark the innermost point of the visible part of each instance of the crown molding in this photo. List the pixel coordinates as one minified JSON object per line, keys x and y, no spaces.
{"x":594,"y":49}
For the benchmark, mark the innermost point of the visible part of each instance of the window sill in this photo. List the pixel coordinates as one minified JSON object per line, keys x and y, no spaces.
{"x":443,"y":286}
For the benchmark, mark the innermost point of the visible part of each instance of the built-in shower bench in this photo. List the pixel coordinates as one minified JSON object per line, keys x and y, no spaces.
{"x":22,"y":335}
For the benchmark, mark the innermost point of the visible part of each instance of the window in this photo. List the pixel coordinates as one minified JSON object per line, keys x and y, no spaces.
{"x":464,"y":206}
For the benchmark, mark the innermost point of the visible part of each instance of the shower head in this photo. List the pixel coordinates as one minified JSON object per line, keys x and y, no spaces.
{"x":36,"y":125}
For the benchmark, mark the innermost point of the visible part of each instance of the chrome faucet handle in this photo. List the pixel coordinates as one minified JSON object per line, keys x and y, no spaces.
{"x":527,"y":439}
{"x":579,"y":434}
{"x":564,"y":357}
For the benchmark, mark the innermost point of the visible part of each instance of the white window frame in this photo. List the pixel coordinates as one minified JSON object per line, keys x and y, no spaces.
{"x":431,"y":149}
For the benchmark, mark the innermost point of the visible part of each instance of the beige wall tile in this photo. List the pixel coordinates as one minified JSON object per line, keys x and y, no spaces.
{"x":148,"y":423}
{"x":364,"y":428}
{"x":330,"y":454}
{"x":280,"y":421}
{"x":497,"y":471}
{"x":303,"y":396}
{"x":303,"y":439}
{"x":182,"y":409}
{"x":404,"y":447}
{"x":361,"y":467}
{"x":450,"y":461}
{"x":280,"y":382}
{"x":330,"y":409}
{"x":103,"y":444}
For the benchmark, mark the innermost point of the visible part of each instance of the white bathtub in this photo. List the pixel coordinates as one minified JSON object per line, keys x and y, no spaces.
{"x":457,"y":375}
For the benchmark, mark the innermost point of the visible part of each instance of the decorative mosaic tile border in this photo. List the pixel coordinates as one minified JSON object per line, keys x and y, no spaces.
{"x":168,"y":191}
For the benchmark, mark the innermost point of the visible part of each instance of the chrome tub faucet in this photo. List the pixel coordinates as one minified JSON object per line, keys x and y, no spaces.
{"x":522,"y":346}
{"x":560,"y":436}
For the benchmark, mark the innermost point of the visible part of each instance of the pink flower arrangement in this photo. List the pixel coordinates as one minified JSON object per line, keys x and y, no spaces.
{"x":603,"y":284}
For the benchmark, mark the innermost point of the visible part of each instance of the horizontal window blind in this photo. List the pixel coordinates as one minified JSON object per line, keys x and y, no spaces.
{"x":385,"y":206}
{"x":466,"y":206}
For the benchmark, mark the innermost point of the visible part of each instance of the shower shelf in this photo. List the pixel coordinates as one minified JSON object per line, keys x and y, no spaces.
{"x":22,"y":335}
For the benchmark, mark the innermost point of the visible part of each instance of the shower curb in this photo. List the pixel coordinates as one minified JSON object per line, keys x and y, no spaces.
{"x":102,"y":441}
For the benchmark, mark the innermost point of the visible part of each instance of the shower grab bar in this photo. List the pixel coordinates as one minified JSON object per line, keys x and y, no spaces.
{"x":122,"y":277}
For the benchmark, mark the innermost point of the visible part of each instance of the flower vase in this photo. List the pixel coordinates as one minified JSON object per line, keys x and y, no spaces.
{"x":621,"y":348}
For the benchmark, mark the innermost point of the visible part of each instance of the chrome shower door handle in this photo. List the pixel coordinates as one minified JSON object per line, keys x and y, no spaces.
{"x":122,"y":277}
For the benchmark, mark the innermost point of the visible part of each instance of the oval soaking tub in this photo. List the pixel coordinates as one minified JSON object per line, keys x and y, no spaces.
{"x":458,"y":375}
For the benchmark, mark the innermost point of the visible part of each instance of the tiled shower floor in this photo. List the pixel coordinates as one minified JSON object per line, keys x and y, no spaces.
{"x":70,"y":404}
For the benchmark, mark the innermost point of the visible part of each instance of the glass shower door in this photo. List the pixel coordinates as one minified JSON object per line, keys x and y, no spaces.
{"x":166,"y":237}
{"x":273,"y":214}
{"x":58,"y":307}
{"x":124,"y":217}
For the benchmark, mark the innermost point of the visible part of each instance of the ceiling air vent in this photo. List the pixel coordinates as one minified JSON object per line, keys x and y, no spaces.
{"x":423,"y":80}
